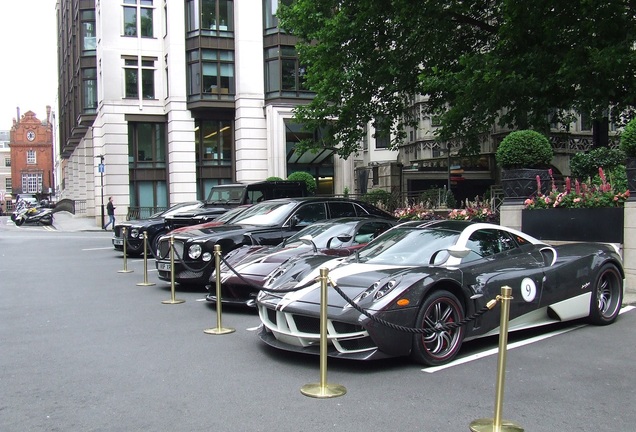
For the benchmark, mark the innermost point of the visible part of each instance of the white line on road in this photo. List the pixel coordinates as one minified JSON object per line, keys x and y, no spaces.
{"x":510,"y":346}
{"x":102,"y":248}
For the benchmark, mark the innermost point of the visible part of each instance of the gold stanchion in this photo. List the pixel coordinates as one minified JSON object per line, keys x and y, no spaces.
{"x":172,"y":300}
{"x":145,"y":282}
{"x":322,"y":389}
{"x":496,"y":424}
{"x":219,"y":330}
{"x":123,"y":235}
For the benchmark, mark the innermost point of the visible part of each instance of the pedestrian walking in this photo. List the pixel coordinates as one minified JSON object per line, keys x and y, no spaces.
{"x":110,"y":209}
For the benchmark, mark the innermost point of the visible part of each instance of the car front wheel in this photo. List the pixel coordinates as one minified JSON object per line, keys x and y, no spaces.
{"x":607,"y":296}
{"x":439,"y":309}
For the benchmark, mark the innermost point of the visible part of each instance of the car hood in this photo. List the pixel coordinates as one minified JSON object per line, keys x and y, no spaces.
{"x":142,"y":223}
{"x":203,"y":234}
{"x":352,"y":279}
{"x":201,"y":211}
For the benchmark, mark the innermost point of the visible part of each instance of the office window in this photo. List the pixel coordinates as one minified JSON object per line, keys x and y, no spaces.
{"x":89,"y":90}
{"x":7,"y":162}
{"x":138,"y":18}
{"x":7,"y":185}
{"x":214,"y":142}
{"x":210,"y":17}
{"x":31,"y":157}
{"x":132,"y":71}
{"x":89,"y":40}
{"x":270,"y":7}
{"x":147,"y":144}
{"x":382,"y":133}
{"x":31,"y":182}
{"x":213,"y":74}
{"x":284,"y":75}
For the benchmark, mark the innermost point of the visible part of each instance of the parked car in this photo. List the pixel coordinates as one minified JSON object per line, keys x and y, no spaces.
{"x":254,"y":264}
{"x":226,"y":196}
{"x":436,"y":274}
{"x":156,"y":226}
{"x":265,"y":223}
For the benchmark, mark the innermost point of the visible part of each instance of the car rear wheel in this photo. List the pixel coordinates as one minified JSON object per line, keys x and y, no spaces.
{"x":607,"y":296}
{"x":433,"y":349}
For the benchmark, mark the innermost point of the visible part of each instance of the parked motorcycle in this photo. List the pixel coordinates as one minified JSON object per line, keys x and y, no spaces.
{"x":40,"y":214}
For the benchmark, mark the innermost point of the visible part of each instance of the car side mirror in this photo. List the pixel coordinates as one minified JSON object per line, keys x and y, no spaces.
{"x":308,"y":240}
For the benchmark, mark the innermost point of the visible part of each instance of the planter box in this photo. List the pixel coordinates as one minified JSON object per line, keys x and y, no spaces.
{"x":522,"y":183}
{"x":603,"y":224}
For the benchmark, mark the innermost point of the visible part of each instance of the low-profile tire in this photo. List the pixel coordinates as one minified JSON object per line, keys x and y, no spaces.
{"x":607,"y":296}
{"x":19,"y":221}
{"x":154,"y":244}
{"x":439,"y":308}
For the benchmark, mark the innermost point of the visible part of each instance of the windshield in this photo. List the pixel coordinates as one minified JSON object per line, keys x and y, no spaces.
{"x":407,"y":246}
{"x":231,"y":214}
{"x":177,"y":208}
{"x":320,"y":233}
{"x":266,"y":213}
{"x":226,"y":194}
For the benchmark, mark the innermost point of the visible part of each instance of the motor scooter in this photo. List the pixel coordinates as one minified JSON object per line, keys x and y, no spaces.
{"x":41,"y":214}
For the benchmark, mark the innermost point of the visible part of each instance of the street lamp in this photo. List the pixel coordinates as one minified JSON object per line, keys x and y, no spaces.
{"x":101,"y":175}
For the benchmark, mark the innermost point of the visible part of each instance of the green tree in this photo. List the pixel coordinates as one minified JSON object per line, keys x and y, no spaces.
{"x":479,"y":62}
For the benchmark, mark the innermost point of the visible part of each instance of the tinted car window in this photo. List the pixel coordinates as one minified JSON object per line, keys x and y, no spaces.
{"x":490,"y":242}
{"x":310,"y":213}
{"x":341,"y":209}
{"x":365,"y":210}
{"x":369,"y":231}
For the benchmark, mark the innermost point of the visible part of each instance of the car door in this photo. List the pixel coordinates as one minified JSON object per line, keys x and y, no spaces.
{"x":499,"y":261}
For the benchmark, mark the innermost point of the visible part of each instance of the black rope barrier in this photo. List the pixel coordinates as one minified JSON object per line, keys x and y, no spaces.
{"x":447,"y":327}
{"x":187,"y":267}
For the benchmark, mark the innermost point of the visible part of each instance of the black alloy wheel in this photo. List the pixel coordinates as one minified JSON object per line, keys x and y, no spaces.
{"x":607,"y":296}
{"x":440,"y":346}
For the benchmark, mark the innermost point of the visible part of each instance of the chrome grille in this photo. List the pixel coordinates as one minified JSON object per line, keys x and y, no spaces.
{"x":164,"y":249}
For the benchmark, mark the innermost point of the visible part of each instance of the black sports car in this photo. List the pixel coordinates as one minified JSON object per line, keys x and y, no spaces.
{"x":434,"y":274}
{"x":265,"y":223}
{"x":331,"y":237}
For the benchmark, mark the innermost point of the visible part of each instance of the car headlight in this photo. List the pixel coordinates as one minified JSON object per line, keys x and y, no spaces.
{"x":207,"y":256}
{"x":194,"y":251}
{"x":134,"y":232}
{"x":379,"y":289}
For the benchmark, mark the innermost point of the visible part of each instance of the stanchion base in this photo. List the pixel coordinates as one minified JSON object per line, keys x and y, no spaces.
{"x":488,"y":424}
{"x":124,"y":271}
{"x":145,"y":284}
{"x":219,"y":330}
{"x":327,"y":391}
{"x":175,"y":301}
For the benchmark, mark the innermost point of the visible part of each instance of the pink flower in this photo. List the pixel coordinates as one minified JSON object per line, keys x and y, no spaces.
{"x":568,"y":185}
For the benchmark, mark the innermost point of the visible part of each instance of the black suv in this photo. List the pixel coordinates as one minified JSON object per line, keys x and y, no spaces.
{"x":223,"y":197}
{"x":265,"y":223}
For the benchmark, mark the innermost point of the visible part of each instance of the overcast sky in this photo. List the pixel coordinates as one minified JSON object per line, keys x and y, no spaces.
{"x":28,"y":52}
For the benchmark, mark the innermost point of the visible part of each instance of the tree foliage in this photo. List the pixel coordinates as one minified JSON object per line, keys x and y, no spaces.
{"x":479,"y":62}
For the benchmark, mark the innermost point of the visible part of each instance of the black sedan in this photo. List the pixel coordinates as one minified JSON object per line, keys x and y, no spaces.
{"x":253,"y":265}
{"x":432,"y":276}
{"x":154,"y":226}
{"x":265,"y":223}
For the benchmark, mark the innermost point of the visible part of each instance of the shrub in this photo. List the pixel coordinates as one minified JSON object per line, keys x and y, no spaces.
{"x":628,"y":139}
{"x":378,"y":197}
{"x":306,"y":177}
{"x":586,"y":165}
{"x":273,"y":178}
{"x":524,"y":149}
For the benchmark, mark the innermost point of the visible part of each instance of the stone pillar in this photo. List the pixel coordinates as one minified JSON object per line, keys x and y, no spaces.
{"x":510,"y":214}
{"x":629,"y":250}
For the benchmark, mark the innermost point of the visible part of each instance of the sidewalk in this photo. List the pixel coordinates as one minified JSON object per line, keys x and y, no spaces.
{"x":65,"y":221}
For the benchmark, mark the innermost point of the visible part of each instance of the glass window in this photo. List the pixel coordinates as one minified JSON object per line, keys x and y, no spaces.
{"x":7,"y":162}
{"x":214,"y":75}
{"x":382,"y":133}
{"x":31,"y":157}
{"x":146,"y":144}
{"x":142,"y":9}
{"x":284,"y":75}
{"x":341,"y":209}
{"x":210,"y":17}
{"x":31,"y":182}
{"x":310,"y":213}
{"x":269,"y":13}
{"x":8,"y":185}
{"x":215,"y":138}
{"x":131,"y":78}
{"x":89,"y":41}
{"x":89,"y":90}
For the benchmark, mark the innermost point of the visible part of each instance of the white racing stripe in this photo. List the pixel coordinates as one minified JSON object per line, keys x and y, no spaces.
{"x":510,"y":346}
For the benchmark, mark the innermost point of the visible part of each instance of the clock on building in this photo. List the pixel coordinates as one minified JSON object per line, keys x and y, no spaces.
{"x":30,"y":135}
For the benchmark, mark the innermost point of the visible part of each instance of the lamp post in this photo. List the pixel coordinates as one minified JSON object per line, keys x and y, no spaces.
{"x":101,"y":177}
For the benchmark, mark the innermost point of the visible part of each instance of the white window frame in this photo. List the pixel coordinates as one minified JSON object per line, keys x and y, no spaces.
{"x":31,"y":157}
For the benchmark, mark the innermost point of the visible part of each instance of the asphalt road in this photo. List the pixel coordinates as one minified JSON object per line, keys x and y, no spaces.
{"x":84,"y":348}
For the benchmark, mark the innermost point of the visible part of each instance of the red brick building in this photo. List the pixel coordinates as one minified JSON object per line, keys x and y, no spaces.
{"x":31,"y":144}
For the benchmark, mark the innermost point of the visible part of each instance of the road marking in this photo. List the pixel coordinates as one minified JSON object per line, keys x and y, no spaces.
{"x":510,"y":346}
{"x":93,"y":249}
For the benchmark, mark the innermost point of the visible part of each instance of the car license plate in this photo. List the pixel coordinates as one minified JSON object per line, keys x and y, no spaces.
{"x":163,"y":266}
{"x":118,"y":241}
